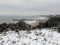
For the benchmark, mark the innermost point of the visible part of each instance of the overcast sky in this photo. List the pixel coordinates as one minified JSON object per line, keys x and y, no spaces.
{"x":29,"y":7}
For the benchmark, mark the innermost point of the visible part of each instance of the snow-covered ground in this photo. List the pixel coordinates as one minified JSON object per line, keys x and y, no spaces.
{"x":33,"y":37}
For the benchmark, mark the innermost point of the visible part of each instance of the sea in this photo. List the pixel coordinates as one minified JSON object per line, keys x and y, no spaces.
{"x":9,"y":18}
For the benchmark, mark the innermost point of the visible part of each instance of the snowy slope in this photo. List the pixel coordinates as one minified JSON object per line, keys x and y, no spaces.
{"x":33,"y":37}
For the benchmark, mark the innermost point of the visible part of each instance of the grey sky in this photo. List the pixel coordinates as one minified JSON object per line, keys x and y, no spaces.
{"x":29,"y":7}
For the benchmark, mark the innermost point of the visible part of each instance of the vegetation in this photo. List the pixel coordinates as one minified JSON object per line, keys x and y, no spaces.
{"x":21,"y":25}
{"x":53,"y":21}
{"x":14,"y":27}
{"x":58,"y":29}
{"x":41,"y":25}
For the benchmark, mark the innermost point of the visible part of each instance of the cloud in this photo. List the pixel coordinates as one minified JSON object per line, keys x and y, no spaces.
{"x":11,"y":2}
{"x":25,"y":2}
{"x":27,"y":7}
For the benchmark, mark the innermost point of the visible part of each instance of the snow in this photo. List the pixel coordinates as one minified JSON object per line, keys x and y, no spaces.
{"x":30,"y":22}
{"x":36,"y":19}
{"x":33,"y":37}
{"x":41,"y":18}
